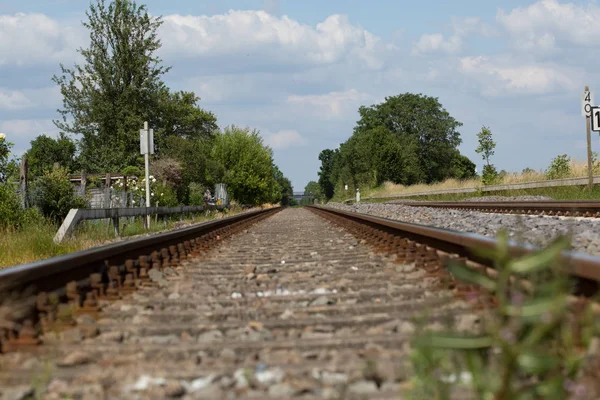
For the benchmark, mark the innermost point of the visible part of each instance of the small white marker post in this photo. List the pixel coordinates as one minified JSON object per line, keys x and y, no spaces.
{"x":357,"y":195}
{"x":147,"y":148}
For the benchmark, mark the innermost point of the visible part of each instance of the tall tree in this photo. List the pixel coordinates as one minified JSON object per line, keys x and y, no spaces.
{"x":248,"y":168}
{"x":287,"y":191}
{"x":180,"y":116}
{"x":486,"y":146}
{"x":108,"y":98}
{"x":45,"y":151}
{"x":423,"y":122}
{"x":327,"y":179}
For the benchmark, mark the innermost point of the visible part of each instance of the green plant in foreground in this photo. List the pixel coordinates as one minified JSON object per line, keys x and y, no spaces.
{"x":530,"y":348}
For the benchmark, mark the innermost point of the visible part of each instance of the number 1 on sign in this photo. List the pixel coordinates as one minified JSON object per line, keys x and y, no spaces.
{"x":595,"y":119}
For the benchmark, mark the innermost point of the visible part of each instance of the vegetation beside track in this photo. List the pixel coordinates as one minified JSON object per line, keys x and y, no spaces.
{"x":534,"y":344}
{"x":34,"y":241}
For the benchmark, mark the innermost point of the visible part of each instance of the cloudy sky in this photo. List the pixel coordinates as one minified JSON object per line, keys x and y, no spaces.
{"x":298,"y":70}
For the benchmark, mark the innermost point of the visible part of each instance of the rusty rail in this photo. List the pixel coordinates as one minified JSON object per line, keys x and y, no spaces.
{"x":567,"y":208}
{"x":584,"y":268}
{"x":26,"y":288}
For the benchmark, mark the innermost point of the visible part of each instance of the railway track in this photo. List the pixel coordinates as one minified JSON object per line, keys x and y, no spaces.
{"x":277,"y":303}
{"x":560,"y":208}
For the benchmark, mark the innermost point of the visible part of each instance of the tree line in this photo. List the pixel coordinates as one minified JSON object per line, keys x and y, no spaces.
{"x":407,"y":139}
{"x":119,"y":85}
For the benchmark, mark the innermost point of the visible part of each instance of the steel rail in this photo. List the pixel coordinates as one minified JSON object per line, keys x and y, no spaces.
{"x":54,"y":273}
{"x":584,"y":268}
{"x":554,"y":207}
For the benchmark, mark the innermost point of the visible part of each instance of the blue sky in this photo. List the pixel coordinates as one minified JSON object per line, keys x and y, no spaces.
{"x":299,"y":70}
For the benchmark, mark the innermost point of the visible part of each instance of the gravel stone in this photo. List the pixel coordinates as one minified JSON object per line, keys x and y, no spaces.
{"x":111,"y":336}
{"x":535,"y":230}
{"x":363,"y":387}
{"x":17,"y":393}
{"x":174,"y":390}
{"x":210,"y":336}
{"x":75,"y":358}
{"x":320,"y":301}
{"x":281,"y":390}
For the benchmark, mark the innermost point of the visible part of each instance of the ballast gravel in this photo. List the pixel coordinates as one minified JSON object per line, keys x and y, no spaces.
{"x":535,"y":230}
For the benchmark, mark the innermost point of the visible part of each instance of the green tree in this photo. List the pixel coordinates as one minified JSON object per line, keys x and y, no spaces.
{"x":110,"y":96}
{"x":5,"y":147}
{"x":247,"y":166}
{"x":486,"y":146}
{"x":286,"y":190}
{"x":180,"y":116}
{"x":463,"y":167}
{"x":327,"y":179}
{"x":45,"y":151}
{"x":312,"y":188}
{"x":421,"y":125}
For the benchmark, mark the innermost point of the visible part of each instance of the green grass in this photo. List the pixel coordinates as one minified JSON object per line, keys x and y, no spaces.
{"x":35,"y":241}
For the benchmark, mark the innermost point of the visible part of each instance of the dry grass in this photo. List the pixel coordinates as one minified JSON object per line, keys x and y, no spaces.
{"x":578,"y":170}
{"x":35,"y":242}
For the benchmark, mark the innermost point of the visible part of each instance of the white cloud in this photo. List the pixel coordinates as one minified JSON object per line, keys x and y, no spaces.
{"x":29,"y":39}
{"x":430,"y":43}
{"x":329,"y":106}
{"x":29,"y":98}
{"x":253,"y":35}
{"x":543,"y":25}
{"x":499,"y":77}
{"x":283,"y":139}
{"x":461,"y":27}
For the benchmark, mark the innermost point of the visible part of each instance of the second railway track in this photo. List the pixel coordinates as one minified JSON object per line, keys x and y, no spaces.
{"x":293,"y":305}
{"x":559,"y":208}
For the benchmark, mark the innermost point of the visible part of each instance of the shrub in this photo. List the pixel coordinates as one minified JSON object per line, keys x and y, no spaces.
{"x":164,"y":195}
{"x":11,"y":213}
{"x":132,"y":171}
{"x":489,"y":175}
{"x":54,"y":195}
{"x":559,"y":168}
{"x":196,"y":193}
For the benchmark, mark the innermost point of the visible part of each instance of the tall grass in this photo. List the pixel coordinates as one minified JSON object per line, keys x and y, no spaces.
{"x":578,"y":169}
{"x":35,"y":242}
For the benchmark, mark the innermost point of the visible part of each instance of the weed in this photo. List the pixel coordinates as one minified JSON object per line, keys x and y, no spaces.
{"x":533,"y":346}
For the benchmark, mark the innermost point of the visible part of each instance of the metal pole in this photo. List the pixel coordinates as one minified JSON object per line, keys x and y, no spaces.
{"x":589,"y":148}
{"x":147,"y":162}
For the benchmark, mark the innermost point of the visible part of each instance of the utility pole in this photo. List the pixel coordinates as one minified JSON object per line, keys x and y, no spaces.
{"x":147,"y":148}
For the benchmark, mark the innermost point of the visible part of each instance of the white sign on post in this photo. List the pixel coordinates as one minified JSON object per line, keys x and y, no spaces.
{"x":595,"y":112}
{"x":147,"y":141}
{"x":587,"y":101}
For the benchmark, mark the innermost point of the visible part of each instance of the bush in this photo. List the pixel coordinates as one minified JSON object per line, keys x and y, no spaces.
{"x":164,"y":194}
{"x":11,"y":213}
{"x":196,"y":194}
{"x":559,"y":168}
{"x":489,"y":175}
{"x":54,"y":195}
{"x":132,"y":171}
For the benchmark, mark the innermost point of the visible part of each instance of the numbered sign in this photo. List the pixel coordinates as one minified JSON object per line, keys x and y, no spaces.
{"x":595,"y":111}
{"x":587,"y":102}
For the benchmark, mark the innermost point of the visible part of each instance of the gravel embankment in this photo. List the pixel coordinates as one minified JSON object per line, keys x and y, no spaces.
{"x":537,"y":230}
